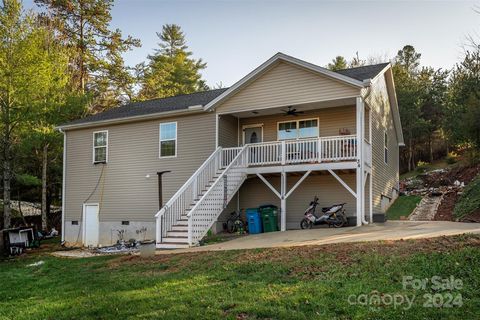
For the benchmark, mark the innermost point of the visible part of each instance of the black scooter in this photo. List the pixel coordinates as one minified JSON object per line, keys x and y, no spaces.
{"x":332,"y":216}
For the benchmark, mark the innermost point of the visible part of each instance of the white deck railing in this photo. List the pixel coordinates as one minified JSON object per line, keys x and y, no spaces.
{"x":323,"y":149}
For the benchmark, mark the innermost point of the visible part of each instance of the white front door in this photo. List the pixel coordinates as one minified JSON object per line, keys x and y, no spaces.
{"x":91,"y":225}
{"x":252,"y":133}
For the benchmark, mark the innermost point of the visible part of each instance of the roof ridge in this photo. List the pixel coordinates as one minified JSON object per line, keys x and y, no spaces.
{"x":364,"y":66}
{"x":176,"y":96}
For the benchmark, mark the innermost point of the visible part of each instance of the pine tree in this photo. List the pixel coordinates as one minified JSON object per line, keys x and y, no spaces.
{"x":170,"y":70}
{"x":338,"y":63}
{"x":98,"y":66}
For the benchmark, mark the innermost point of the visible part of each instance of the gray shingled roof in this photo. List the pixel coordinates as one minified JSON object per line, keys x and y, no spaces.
{"x":199,"y":98}
{"x":153,"y":106}
{"x":363,"y":73}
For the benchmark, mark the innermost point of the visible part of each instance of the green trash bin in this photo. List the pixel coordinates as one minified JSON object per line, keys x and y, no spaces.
{"x":269,"y":216}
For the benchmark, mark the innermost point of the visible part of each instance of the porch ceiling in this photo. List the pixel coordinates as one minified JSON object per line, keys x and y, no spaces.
{"x":254,"y":112}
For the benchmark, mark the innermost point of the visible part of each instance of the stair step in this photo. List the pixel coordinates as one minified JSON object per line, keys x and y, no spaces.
{"x":175,"y":240}
{"x":182,"y":233}
{"x":172,"y":245}
{"x":181,"y":223}
{"x":179,"y":228}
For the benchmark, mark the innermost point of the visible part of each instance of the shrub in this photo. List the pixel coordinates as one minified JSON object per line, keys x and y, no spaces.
{"x":451,"y":158}
{"x":422,"y":166}
{"x":469,"y":201}
{"x":472,"y":157}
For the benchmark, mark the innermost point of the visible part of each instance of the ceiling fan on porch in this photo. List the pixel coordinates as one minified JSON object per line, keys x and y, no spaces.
{"x":292,"y":111}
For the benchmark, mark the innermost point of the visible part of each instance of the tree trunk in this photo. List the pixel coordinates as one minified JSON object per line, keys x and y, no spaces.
{"x":430,"y":148}
{"x":410,"y":155}
{"x":6,"y":179}
{"x":44,"y":186}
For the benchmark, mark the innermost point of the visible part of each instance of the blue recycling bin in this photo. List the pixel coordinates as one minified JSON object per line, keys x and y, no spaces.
{"x":254,"y":221}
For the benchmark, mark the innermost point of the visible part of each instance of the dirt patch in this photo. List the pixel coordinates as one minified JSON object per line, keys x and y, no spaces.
{"x":301,"y":260}
{"x":445,"y":209}
{"x":473,"y":217}
{"x":441,"y":178}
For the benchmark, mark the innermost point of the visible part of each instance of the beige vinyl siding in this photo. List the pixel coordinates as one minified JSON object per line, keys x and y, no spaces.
{"x":254,"y":193}
{"x":385,"y":175}
{"x":285,"y":84}
{"x":331,"y":120}
{"x":124,"y":192}
{"x":227,"y":131}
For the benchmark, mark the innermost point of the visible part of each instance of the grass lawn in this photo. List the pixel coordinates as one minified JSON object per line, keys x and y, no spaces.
{"x":291,"y":283}
{"x":403,"y":206}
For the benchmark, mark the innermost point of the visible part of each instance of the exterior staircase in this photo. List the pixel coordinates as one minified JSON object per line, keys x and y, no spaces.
{"x":190,"y":213}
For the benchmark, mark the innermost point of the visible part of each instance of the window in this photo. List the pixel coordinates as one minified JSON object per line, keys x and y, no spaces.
{"x":298,"y":129}
{"x":168,"y":139}
{"x":100,"y":147}
{"x":385,"y":147}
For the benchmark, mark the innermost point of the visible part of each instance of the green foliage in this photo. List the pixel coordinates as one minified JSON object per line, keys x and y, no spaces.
{"x":338,"y":63}
{"x":403,"y":206}
{"x":469,"y":201}
{"x":170,"y":70}
{"x":409,"y":58}
{"x":463,"y":116}
{"x":422,"y":99}
{"x":451,"y":158}
{"x":472,"y":156}
{"x":27,"y":180}
{"x":96,"y":58}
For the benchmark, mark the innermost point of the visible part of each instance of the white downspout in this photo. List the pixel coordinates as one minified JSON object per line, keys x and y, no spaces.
{"x":63,"y":181}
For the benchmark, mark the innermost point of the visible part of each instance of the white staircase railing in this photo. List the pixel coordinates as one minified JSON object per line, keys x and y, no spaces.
{"x":185,"y":197}
{"x":206,"y":211}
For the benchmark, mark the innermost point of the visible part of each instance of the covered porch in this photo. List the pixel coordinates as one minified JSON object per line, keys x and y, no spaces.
{"x":317,"y":149}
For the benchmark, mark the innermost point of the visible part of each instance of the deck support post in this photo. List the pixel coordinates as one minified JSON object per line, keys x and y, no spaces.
{"x":283,"y":202}
{"x":360,"y":112}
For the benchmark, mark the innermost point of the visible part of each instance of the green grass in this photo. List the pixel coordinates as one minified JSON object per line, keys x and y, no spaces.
{"x":403,"y":206}
{"x":291,"y":283}
{"x":469,"y":201}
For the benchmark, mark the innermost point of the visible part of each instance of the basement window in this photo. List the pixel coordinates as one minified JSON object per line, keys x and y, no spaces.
{"x":100,"y":146}
{"x":125,"y":223}
{"x":168,"y":139}
{"x":74,"y":222}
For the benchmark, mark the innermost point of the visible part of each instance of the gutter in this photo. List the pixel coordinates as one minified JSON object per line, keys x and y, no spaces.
{"x":189,"y":110}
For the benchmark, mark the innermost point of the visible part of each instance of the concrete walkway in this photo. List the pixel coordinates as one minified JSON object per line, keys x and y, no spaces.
{"x":390,"y":230}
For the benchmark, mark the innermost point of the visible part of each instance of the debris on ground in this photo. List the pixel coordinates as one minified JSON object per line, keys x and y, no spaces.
{"x":36,"y":264}
{"x":440,"y":190}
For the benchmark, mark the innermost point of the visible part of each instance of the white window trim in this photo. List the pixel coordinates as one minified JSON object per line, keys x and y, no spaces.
{"x":93,"y":147}
{"x":385,"y":146}
{"x":298,"y":127}
{"x":246,"y":126}
{"x":160,"y":140}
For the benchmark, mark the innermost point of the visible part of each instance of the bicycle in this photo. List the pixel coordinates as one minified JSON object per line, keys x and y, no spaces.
{"x":235,"y":223}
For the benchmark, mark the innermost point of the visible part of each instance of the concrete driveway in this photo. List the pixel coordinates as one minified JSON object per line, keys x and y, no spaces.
{"x":390,"y":230}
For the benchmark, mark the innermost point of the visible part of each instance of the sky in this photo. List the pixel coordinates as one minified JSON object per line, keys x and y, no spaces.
{"x":234,"y":37}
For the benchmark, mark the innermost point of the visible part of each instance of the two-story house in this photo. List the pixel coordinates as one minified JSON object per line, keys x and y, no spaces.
{"x":287,"y":131}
